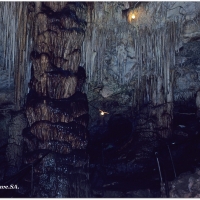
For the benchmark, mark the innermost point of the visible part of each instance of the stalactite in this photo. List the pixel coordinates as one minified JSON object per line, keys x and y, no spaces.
{"x":154,"y":42}
{"x":12,"y":15}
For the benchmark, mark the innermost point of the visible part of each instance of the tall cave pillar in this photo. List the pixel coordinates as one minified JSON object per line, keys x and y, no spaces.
{"x":57,"y":110}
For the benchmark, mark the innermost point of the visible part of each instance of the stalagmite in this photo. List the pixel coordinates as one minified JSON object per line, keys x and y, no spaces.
{"x":56,"y":109}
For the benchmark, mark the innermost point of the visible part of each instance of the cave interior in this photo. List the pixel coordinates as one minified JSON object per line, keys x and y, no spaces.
{"x":100,"y":99}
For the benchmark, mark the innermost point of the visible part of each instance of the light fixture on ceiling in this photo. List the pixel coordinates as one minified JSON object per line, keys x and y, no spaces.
{"x":133,"y":16}
{"x":133,"y":12}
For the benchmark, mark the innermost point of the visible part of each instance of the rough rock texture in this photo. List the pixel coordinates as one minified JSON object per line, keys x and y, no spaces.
{"x":187,"y":185}
{"x":14,"y":151}
{"x":140,"y":67}
{"x":51,"y":85}
{"x":15,"y":47}
{"x":144,"y":69}
{"x":140,"y":53}
{"x":56,"y":109}
{"x":16,"y":43}
{"x":142,"y":72}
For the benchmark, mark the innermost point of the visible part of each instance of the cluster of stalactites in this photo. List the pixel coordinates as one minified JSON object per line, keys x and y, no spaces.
{"x":16,"y":44}
{"x":9,"y":25}
{"x":127,"y":52}
{"x":155,"y":53}
{"x":141,"y":56}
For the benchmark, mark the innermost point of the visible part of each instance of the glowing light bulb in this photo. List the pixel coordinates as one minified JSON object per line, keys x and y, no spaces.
{"x":103,"y":113}
{"x":133,"y":16}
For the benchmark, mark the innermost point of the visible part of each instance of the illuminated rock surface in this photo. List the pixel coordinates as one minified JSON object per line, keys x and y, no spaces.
{"x":143,"y":72}
{"x":56,"y":111}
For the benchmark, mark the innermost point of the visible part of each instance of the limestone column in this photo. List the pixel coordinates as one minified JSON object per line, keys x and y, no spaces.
{"x":56,"y":109}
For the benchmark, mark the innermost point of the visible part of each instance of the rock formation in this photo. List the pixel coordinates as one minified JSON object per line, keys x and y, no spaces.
{"x":185,"y":186}
{"x":142,"y":71}
{"x":57,"y":113}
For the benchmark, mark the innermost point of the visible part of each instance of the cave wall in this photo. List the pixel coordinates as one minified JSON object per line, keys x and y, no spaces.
{"x":40,"y":55}
{"x":143,"y":66}
{"x":152,"y":59}
{"x":15,"y":64}
{"x":16,"y":43}
{"x":128,"y":62}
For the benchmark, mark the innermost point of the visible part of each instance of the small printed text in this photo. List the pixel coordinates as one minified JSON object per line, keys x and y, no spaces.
{"x":9,"y":187}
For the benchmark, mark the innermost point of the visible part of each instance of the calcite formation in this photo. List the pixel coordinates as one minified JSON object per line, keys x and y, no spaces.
{"x":140,"y":67}
{"x":16,"y":45}
{"x":55,"y":110}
